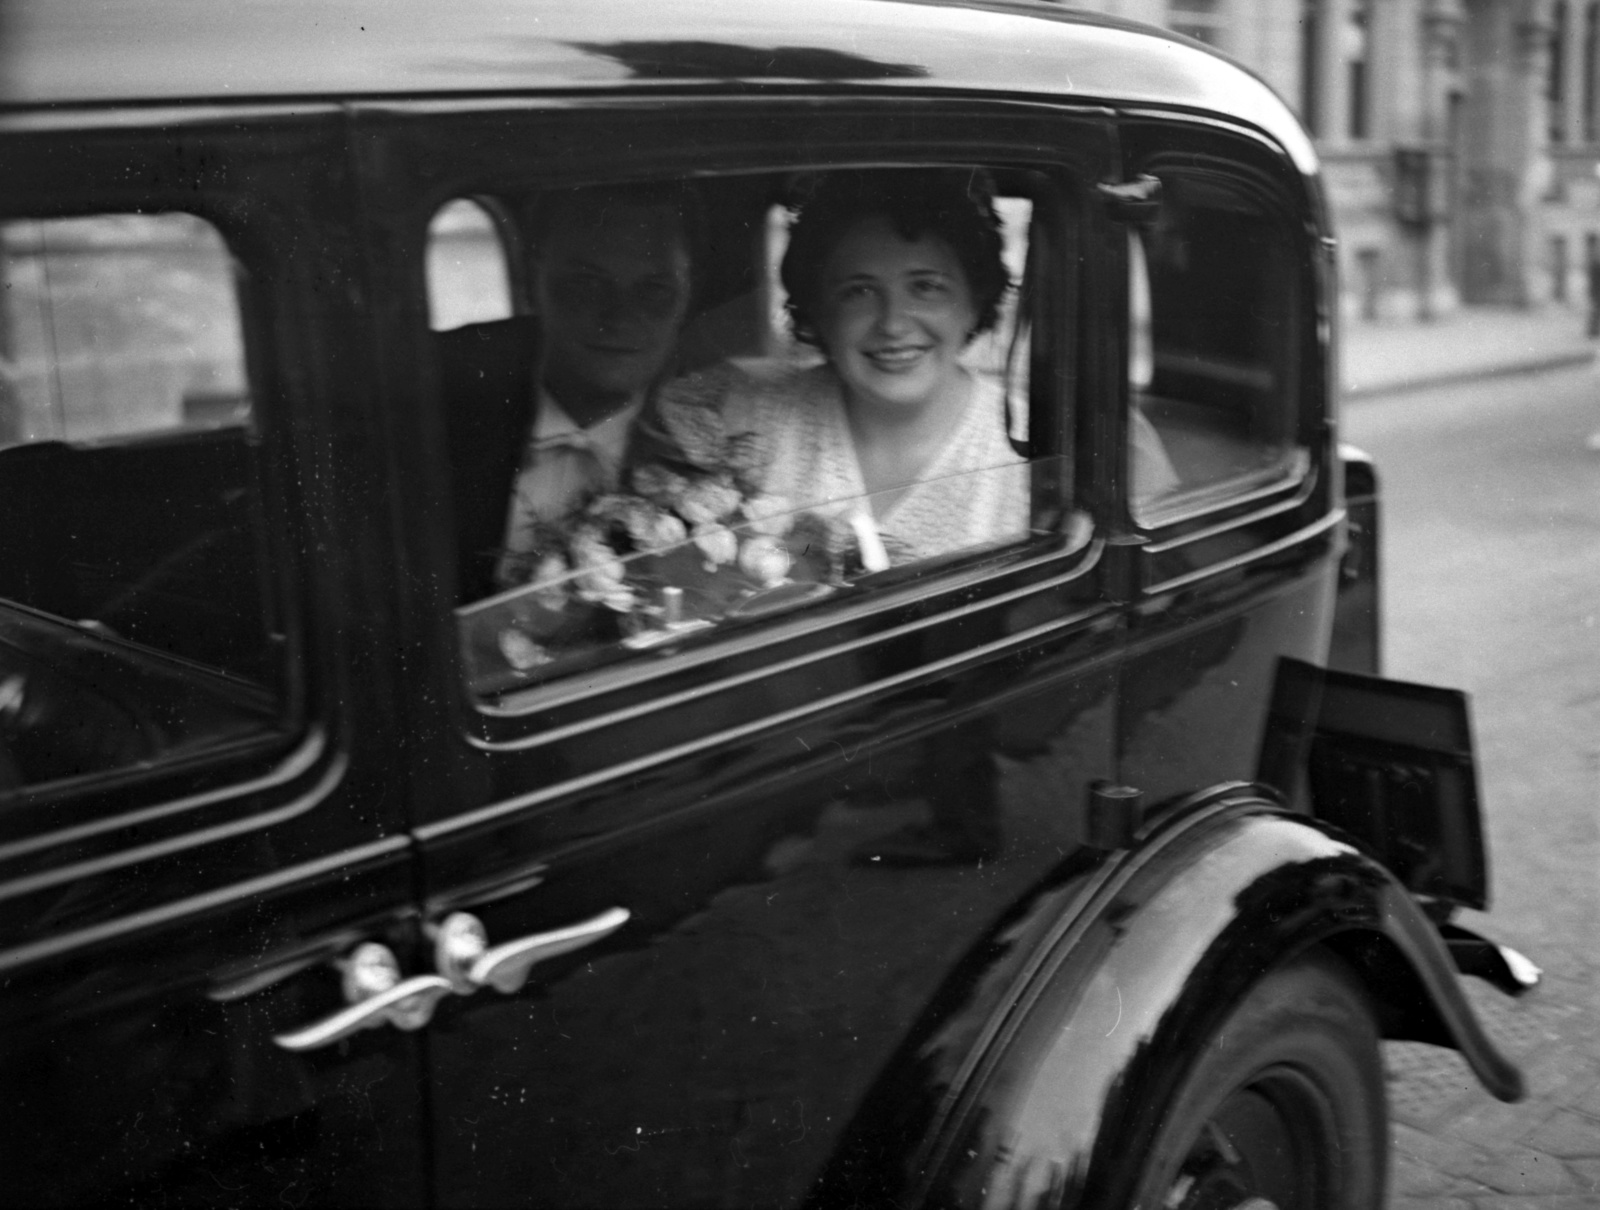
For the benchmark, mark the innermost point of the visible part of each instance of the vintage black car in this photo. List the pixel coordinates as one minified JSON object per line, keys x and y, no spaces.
{"x":334,"y":870}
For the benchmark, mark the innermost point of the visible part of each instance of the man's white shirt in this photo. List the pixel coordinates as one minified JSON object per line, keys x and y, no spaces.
{"x":562,"y":464}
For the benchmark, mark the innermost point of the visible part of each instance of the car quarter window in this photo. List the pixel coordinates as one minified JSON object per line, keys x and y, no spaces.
{"x":736,"y":397}
{"x":134,"y":625}
{"x":1213,"y":296}
{"x":470,"y":270}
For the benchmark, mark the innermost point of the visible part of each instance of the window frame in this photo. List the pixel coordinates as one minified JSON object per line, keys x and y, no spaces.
{"x":734,"y":139}
{"x":1225,"y":495}
{"x":1206,"y":529}
{"x":224,"y":788}
{"x":897,"y":588}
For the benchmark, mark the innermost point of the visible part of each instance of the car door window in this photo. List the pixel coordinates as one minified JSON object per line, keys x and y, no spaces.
{"x":470,"y":270}
{"x":728,"y":493}
{"x":1212,"y":365}
{"x":135,"y":625}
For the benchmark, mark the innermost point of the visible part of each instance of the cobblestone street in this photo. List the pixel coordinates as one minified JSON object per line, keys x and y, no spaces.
{"x":1490,"y":495}
{"x":1456,"y":1148}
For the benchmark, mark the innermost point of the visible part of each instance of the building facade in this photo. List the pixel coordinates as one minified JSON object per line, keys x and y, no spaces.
{"x":1460,"y":138}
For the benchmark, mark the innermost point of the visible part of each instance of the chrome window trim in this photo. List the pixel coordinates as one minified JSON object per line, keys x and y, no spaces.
{"x":156,"y":119}
{"x":303,"y":802}
{"x":1300,"y":485}
{"x":206,"y":901}
{"x":1303,"y":534}
{"x":1206,"y":498}
{"x":303,"y":757}
{"x":497,"y":810}
{"x":542,"y":698}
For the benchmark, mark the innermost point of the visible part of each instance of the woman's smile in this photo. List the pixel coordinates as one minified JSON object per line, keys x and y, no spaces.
{"x":897,"y":358}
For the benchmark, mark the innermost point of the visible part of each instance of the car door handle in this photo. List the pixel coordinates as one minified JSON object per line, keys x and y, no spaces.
{"x":376,"y":996}
{"x":467,"y":961}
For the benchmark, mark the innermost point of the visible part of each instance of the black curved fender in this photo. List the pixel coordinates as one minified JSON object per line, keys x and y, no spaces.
{"x":1040,"y":1079}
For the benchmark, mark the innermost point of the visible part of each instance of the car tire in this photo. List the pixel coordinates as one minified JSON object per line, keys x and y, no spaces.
{"x":1285,"y":1108}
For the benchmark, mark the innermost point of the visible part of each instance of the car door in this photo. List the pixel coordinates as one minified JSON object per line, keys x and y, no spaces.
{"x":665,"y":868}
{"x":1233,"y":527}
{"x":200,"y":816}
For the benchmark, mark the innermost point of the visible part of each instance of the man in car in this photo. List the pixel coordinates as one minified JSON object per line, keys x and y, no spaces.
{"x":612,"y":285}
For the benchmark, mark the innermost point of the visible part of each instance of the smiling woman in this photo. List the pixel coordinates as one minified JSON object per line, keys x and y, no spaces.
{"x":891,"y":275}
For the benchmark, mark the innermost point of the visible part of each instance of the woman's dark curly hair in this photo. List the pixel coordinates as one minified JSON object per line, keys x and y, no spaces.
{"x":954,"y":204}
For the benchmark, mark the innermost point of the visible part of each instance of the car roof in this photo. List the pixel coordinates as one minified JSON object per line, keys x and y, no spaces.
{"x":97,"y":52}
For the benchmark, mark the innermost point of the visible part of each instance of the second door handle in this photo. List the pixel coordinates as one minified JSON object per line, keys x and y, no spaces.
{"x":463,"y":955}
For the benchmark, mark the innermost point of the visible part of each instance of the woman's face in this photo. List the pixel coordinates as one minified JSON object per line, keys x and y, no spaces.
{"x":894,"y":315}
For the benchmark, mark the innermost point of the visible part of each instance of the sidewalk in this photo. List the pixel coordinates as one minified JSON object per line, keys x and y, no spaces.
{"x":1474,"y":342}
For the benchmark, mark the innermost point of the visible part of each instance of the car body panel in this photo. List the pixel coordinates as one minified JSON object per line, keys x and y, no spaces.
{"x":1048,"y":1060}
{"x":264,"y":50}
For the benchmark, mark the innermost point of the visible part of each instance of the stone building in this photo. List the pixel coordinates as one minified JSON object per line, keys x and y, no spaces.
{"x":1461,"y":138}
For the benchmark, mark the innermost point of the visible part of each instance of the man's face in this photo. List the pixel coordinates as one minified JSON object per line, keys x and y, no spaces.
{"x":613,"y":287}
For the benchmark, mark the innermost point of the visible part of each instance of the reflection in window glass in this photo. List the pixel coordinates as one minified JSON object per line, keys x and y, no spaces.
{"x":1212,"y":295}
{"x":638,"y":571}
{"x":135,"y":625}
{"x":468,"y":277}
{"x":116,"y":324}
{"x":678,"y":469}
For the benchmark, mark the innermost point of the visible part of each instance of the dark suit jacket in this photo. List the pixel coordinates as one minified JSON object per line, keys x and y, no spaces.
{"x":487,"y":377}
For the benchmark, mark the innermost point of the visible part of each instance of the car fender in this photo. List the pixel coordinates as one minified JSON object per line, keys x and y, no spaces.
{"x":1041,"y":1076}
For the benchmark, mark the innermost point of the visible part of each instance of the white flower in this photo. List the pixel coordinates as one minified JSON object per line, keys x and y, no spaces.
{"x":658,"y":483}
{"x":600,"y":570}
{"x":549,"y":581}
{"x":707,"y":501}
{"x":717,"y":543}
{"x":521,"y":652}
{"x":765,"y":560}
{"x":652,"y":529}
{"x":769,"y":514}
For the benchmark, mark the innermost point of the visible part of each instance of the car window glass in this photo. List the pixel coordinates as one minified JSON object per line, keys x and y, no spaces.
{"x":633,"y":576}
{"x":115,"y":325}
{"x":1212,"y":300}
{"x":469,"y":272}
{"x":731,"y":485}
{"x":134,"y":622}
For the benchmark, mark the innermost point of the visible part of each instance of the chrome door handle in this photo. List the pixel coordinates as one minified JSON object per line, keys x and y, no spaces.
{"x":467,"y":962}
{"x":376,"y":995}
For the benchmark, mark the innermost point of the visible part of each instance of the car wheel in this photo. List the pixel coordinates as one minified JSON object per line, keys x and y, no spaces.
{"x":1285,"y":1109}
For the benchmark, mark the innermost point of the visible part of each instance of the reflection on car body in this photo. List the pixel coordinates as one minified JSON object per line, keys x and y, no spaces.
{"x":716,"y":844}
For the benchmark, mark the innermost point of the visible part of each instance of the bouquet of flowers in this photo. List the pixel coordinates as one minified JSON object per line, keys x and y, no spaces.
{"x":696,"y":527}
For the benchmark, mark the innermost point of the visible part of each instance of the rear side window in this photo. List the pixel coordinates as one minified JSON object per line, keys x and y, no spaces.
{"x":135,"y":625}
{"x":116,"y":325}
{"x":469,"y":266}
{"x":1212,"y":370}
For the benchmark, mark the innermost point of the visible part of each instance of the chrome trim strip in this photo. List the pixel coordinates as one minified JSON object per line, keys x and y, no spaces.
{"x":443,"y":827}
{"x":22,"y":955}
{"x":634,"y":675}
{"x":185,"y":840}
{"x":1301,"y":486}
{"x":1303,"y":534}
{"x":159,"y":117}
{"x":294,"y":765}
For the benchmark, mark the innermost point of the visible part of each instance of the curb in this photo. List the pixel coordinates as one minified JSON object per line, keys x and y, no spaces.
{"x":1556,"y":361}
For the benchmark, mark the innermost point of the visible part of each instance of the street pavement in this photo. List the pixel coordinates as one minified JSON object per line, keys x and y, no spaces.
{"x":1455,"y":1148}
{"x":1471,"y":343}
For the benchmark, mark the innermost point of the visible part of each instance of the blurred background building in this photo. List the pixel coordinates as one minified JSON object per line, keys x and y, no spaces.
{"x":1461,"y":138}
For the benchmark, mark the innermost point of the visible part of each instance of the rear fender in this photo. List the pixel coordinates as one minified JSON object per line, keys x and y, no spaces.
{"x":1042,"y":1082}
